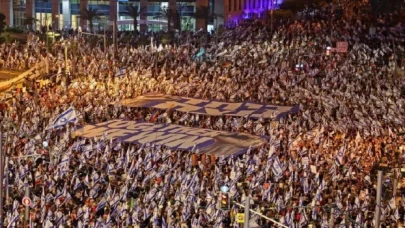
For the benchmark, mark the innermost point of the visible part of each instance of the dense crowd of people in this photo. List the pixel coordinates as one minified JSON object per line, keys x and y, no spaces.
{"x":351,"y":117}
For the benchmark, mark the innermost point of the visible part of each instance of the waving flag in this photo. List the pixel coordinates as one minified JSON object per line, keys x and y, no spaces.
{"x":392,"y":205}
{"x":101,"y":205}
{"x":277,"y":168}
{"x":339,"y":156}
{"x":15,"y":215}
{"x":68,"y":116}
{"x":121,"y":72}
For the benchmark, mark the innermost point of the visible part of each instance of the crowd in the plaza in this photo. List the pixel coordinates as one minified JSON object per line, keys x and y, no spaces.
{"x":352,"y":109}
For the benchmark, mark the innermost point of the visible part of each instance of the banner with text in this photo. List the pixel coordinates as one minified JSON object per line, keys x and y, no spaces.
{"x":210,"y":107}
{"x":173,"y":136}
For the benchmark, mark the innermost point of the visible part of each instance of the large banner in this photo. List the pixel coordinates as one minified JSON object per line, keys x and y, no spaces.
{"x":173,"y":136}
{"x":210,"y":107}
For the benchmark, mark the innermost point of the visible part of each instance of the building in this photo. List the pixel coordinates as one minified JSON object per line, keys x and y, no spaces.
{"x":65,"y":13}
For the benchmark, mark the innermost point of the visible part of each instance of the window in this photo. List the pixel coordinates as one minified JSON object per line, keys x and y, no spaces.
{"x":42,"y":7}
{"x":153,"y":8}
{"x":19,"y":12}
{"x":60,"y":18}
{"x":186,"y":8}
{"x":43,"y":19}
{"x":240,"y":4}
{"x":75,"y":23}
{"x":234,"y":6}
{"x":229,"y":5}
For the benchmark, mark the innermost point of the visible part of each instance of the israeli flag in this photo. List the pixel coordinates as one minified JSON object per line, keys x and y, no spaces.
{"x":121,"y":72}
{"x":339,"y":157}
{"x":68,"y":116}
{"x":277,"y":168}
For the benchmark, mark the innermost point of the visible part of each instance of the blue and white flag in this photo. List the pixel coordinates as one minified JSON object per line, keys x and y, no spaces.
{"x":121,"y":72}
{"x":277,"y":168}
{"x":101,"y":205}
{"x":68,"y":116}
{"x":392,"y":204}
{"x":340,"y":155}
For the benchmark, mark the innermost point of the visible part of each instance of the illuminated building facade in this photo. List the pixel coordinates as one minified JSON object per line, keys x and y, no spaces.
{"x":61,"y":14}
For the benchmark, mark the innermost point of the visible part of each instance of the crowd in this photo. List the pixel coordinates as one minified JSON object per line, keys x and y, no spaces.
{"x":18,"y":56}
{"x":351,"y":117}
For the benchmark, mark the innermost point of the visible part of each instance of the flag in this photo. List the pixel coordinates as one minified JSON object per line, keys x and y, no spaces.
{"x":324,"y":223}
{"x":395,"y":216}
{"x":68,"y":116}
{"x":184,"y":117}
{"x":43,"y":199}
{"x":303,"y":219}
{"x":77,"y":184}
{"x":121,"y":72}
{"x":358,"y":138}
{"x":392,"y":204}
{"x":277,"y":169}
{"x":15,"y":214}
{"x":101,"y":205}
{"x":339,"y":156}
{"x":253,"y":222}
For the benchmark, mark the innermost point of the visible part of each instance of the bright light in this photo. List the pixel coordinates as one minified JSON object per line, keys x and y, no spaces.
{"x":224,"y":189}
{"x":45,"y":144}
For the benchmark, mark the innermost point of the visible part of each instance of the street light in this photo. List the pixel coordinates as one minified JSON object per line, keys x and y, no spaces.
{"x":328,"y":49}
{"x":224,"y":189}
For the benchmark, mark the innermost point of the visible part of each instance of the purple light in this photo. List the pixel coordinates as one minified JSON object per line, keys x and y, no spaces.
{"x":268,"y":4}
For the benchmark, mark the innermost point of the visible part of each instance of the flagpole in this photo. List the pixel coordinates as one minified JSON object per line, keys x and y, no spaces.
{"x":247,"y":207}
{"x":27,"y":208}
{"x":377,"y":207}
{"x":332,"y":219}
{"x":7,"y":189}
{"x":395,"y":187}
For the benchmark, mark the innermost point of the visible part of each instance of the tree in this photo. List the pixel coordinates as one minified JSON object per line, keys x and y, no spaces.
{"x":134,"y":12}
{"x":2,"y":22}
{"x":30,"y":21}
{"x":90,"y":15}
{"x":166,"y":15}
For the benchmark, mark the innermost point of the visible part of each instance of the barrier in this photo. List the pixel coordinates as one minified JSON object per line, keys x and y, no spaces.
{"x":32,"y":73}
